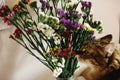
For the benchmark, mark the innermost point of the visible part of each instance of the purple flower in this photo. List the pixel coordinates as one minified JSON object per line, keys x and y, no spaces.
{"x":86,"y":6}
{"x":51,"y":8}
{"x":65,"y":22}
{"x":99,"y":22}
{"x":68,"y":24}
{"x":73,"y":14}
{"x":68,"y":14}
{"x":84,"y":16}
{"x":83,"y":3}
{"x":61,"y":13}
{"x":41,"y":0}
{"x":89,"y":3}
{"x":91,"y":15}
{"x":79,"y":15}
{"x":95,"y":22}
{"x":75,"y":24}
{"x":93,"y":37}
{"x":45,"y":5}
{"x":81,"y":27}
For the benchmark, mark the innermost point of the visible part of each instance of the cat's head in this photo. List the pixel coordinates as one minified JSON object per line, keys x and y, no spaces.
{"x":96,"y":51}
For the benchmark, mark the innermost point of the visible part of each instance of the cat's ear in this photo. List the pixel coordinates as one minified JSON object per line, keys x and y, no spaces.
{"x":106,"y":39}
{"x":110,"y":48}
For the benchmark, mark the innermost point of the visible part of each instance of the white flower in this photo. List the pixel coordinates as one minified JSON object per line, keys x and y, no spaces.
{"x":46,"y":29}
{"x":41,"y":13}
{"x":40,"y":26}
{"x":38,"y":4}
{"x":71,"y":4}
{"x":55,"y":18}
{"x":62,"y":64}
{"x":54,"y":59}
{"x":49,"y":32}
{"x":57,"y":71}
{"x":46,"y":26}
{"x":57,"y":39}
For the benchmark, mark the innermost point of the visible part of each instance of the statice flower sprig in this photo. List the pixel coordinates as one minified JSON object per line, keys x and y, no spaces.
{"x":55,"y":32}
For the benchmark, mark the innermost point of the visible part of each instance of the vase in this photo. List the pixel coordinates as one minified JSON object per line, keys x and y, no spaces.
{"x":70,"y":78}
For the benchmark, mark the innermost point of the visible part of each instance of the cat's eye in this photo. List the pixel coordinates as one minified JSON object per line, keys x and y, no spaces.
{"x":84,"y":51}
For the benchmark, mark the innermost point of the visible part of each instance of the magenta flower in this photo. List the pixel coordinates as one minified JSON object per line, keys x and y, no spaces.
{"x":17,"y":33}
{"x":66,"y":35}
{"x":4,"y":11}
{"x":65,"y":53}
{"x":11,"y":36}
{"x":1,"y":12}
{"x":28,"y":31}
{"x":16,"y":8}
{"x":6,"y":19}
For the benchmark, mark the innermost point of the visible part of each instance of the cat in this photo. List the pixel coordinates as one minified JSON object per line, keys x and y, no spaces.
{"x":102,"y":57}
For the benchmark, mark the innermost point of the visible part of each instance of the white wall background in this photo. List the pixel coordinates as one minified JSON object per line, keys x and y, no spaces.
{"x":16,"y":64}
{"x":108,"y":11}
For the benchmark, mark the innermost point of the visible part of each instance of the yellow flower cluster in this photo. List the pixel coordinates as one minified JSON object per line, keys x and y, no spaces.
{"x":52,"y":51}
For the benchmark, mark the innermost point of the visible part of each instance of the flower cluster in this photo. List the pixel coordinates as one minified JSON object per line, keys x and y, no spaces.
{"x":4,"y":10}
{"x":65,"y":53}
{"x":55,"y":32}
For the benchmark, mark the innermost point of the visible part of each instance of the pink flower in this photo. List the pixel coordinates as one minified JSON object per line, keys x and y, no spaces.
{"x":27,"y":1}
{"x":16,"y":8}
{"x":6,"y":18}
{"x":4,"y":10}
{"x":4,"y":7}
{"x":8,"y":22}
{"x":65,"y":53}
{"x":17,"y":33}
{"x":1,"y":12}
{"x":28,"y":31}
{"x":11,"y":36}
{"x":66,"y":35}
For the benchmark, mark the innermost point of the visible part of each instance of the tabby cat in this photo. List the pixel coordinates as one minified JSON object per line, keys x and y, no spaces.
{"x":103,"y":59}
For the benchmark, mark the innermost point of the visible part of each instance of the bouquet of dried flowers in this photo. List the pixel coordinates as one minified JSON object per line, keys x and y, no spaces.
{"x":54,"y":33}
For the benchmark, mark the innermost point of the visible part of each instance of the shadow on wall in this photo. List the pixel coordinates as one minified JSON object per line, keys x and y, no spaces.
{"x":8,"y":54}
